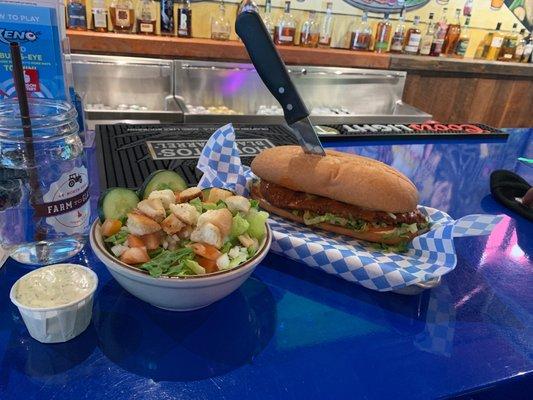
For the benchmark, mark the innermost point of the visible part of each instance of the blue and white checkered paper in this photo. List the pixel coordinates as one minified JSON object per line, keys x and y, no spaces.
{"x":429,"y":256}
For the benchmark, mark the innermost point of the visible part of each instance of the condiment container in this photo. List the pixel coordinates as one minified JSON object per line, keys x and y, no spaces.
{"x":62,"y":322}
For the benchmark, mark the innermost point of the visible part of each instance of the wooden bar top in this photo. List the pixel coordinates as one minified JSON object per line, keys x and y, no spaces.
{"x":207,"y":49}
{"x":462,"y":66}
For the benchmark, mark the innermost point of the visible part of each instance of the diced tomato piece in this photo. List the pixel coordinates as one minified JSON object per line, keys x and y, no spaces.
{"x":206,"y":250}
{"x":135,"y":255}
{"x":152,"y":241}
{"x":111,"y":227}
{"x":209,"y":265}
{"x":135,"y":241}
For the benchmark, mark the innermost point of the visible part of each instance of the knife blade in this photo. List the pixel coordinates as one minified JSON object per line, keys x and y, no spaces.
{"x":273,"y":72}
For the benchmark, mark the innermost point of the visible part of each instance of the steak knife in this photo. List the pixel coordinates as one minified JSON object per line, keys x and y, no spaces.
{"x":271,"y":68}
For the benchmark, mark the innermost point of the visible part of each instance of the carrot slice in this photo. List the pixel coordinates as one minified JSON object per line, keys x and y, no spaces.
{"x":209,"y":265}
{"x":111,"y":227}
{"x":206,"y":250}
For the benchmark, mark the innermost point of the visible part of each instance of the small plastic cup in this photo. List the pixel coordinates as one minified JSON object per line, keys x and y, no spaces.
{"x":61,"y":323}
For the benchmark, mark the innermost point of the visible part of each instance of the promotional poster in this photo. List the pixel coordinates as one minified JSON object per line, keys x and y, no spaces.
{"x":36,"y":30}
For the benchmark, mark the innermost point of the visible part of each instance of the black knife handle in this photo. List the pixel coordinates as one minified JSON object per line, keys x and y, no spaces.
{"x":269,"y":65}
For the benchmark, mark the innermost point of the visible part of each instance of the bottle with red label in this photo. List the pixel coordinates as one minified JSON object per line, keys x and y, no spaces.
{"x":44,"y":183}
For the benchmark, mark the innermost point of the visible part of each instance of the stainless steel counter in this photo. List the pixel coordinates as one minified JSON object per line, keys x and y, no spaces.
{"x":137,"y":89}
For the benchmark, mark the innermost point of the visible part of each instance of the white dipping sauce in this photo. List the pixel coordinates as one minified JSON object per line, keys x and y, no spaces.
{"x":54,"y":286}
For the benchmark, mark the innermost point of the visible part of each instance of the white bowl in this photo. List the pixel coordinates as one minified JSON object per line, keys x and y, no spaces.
{"x":176,"y":293}
{"x":61,"y":323}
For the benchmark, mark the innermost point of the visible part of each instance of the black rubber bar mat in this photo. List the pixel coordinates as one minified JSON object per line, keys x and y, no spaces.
{"x":129,"y":153}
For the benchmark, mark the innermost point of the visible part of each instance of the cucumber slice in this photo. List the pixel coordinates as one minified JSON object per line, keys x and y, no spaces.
{"x":160,"y":180}
{"x":116,"y":203}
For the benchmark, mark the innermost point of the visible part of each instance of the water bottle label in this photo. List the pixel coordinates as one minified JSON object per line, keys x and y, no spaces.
{"x":66,"y":205}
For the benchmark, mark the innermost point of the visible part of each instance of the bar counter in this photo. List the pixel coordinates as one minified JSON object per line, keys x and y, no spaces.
{"x":493,"y":93}
{"x":294,"y":332}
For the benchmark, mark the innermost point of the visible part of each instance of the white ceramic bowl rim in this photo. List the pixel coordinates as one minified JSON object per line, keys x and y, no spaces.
{"x":62,"y":306}
{"x":100,"y":248}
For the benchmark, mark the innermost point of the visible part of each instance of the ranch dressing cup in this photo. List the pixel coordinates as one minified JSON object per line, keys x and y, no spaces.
{"x":56,"y":301}
{"x":44,"y":183}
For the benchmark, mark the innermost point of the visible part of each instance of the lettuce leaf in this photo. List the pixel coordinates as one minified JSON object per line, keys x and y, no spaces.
{"x":239,"y":226}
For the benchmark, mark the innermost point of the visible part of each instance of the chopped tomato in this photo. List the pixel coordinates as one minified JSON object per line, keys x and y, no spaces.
{"x":152,"y":241}
{"x":135,"y":241}
{"x":135,"y":255}
{"x":209,"y":265}
{"x":111,"y":227}
{"x":206,"y":250}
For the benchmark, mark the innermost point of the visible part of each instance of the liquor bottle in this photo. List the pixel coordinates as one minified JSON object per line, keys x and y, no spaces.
{"x":99,"y":14}
{"x":167,"y":17}
{"x":122,"y":15}
{"x":413,"y":38}
{"x":146,"y":18}
{"x":285,"y":31}
{"x":361,"y":35}
{"x":528,"y":49}
{"x":427,"y":38}
{"x":185,"y":19}
{"x":496,"y":44}
{"x":268,"y":20}
{"x":220,"y":25}
{"x":326,"y":27}
{"x":77,"y":15}
{"x":520,"y":45}
{"x":452,"y":35}
{"x":509,"y":44}
{"x":467,"y":9}
{"x":440,"y":35}
{"x":464,"y":40}
{"x":309,"y":34}
{"x":383,"y":34}
{"x":399,"y":34}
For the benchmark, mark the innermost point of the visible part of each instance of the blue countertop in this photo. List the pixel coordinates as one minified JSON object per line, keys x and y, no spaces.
{"x":294,"y":332}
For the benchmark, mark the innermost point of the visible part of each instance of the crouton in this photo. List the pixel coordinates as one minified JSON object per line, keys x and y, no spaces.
{"x":185,"y":212}
{"x":135,"y":255}
{"x":140,"y":225}
{"x":248,"y":241}
{"x":166,"y":196}
{"x":237,"y":203}
{"x":216,"y":194}
{"x":172,"y":224}
{"x":222,"y":219}
{"x":189,"y":194}
{"x":208,"y":233}
{"x":185,"y":233}
{"x":152,"y":208}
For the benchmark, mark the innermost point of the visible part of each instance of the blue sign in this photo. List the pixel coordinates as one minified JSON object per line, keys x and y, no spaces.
{"x":36,"y":30}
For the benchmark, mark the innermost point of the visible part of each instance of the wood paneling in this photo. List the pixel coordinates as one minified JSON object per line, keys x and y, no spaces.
{"x":494,"y":100}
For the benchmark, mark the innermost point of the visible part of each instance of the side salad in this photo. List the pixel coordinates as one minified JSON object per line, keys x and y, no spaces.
{"x":179,"y":231}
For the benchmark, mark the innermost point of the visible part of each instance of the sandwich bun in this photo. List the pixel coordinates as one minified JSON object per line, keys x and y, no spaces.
{"x":344,"y":177}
